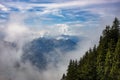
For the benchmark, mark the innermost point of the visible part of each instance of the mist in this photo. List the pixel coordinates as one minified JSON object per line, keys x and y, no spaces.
{"x":14,"y":35}
{"x":23,"y":26}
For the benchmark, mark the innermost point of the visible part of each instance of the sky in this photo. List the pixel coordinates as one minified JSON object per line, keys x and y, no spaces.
{"x":21,"y":21}
{"x":77,"y":16}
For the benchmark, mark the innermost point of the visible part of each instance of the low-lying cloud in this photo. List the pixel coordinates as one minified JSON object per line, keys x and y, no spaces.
{"x":14,"y":34}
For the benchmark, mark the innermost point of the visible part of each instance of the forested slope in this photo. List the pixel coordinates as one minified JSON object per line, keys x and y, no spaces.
{"x":102,"y":62}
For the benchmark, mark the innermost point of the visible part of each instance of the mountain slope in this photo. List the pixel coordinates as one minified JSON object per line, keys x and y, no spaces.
{"x":101,"y":62}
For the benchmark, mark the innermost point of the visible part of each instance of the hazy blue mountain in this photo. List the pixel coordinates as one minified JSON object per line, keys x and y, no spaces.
{"x":36,"y":51}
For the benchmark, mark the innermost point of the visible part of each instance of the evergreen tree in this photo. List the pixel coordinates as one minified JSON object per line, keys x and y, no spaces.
{"x":108,"y":66}
{"x":63,"y":77}
{"x":115,"y":71}
{"x":72,"y":68}
{"x":109,"y":60}
{"x":87,"y":68}
{"x":115,"y":30}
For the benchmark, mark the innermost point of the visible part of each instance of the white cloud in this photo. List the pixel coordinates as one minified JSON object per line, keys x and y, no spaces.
{"x":73,"y":3}
{"x":22,"y":6}
{"x":63,"y":28}
{"x":54,"y":30}
{"x":3,"y":8}
{"x":15,"y":31}
{"x":56,"y":12}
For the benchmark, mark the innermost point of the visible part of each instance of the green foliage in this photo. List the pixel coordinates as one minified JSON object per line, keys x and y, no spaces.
{"x":72,"y":68}
{"x":115,"y":71}
{"x":101,"y":62}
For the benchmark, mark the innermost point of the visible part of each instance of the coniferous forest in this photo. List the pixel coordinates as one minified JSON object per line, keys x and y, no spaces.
{"x":101,"y":62}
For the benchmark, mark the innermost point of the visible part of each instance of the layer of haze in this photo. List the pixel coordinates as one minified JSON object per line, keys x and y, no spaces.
{"x":19,"y":33}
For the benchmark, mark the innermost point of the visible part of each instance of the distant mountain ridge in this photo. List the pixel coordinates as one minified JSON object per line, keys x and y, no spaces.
{"x":36,"y":50}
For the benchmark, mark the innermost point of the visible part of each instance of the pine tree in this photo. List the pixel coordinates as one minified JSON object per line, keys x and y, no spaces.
{"x":108,"y":66}
{"x":115,"y":30}
{"x":101,"y":50}
{"x":72,"y":70}
{"x":115,"y":71}
{"x":63,"y":77}
{"x":109,"y":60}
{"x":87,"y":68}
